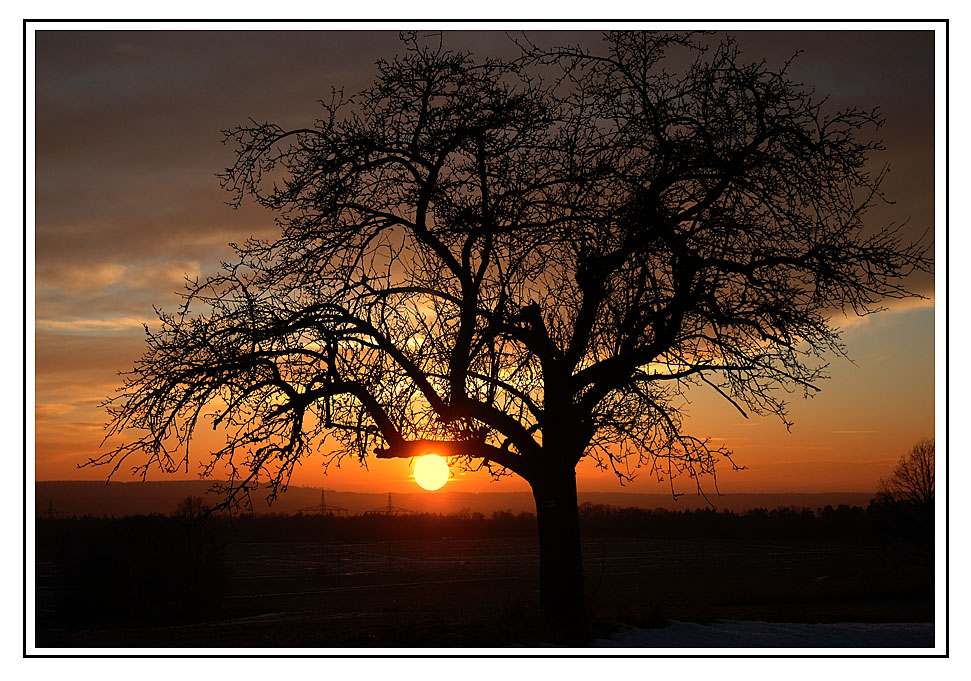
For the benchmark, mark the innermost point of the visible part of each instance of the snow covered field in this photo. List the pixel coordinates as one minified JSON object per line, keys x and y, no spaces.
{"x":734,"y":634}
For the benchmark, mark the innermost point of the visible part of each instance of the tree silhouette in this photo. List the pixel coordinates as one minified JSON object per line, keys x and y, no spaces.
{"x":912,"y":479}
{"x":521,"y":263}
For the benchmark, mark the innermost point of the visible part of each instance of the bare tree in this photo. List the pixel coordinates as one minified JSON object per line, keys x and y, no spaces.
{"x":191,"y":510}
{"x":519,"y":264}
{"x":912,"y":479}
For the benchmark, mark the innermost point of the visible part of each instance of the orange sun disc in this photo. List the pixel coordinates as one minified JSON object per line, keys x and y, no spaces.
{"x":431,"y":472}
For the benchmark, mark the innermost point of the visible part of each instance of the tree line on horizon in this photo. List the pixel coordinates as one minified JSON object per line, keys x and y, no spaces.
{"x":883,"y":518}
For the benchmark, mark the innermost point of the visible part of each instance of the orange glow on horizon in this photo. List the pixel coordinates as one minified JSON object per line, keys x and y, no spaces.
{"x":845,"y":439}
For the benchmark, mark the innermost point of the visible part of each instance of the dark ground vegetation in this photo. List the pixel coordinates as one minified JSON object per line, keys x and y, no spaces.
{"x":466,"y":579}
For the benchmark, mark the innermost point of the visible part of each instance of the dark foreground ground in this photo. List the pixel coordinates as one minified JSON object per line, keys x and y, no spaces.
{"x":112,"y":584}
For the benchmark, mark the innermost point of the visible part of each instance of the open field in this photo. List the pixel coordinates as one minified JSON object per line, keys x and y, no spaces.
{"x":444,"y":591}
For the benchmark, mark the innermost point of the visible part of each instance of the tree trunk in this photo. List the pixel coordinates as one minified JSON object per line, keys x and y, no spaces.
{"x":560,"y":565}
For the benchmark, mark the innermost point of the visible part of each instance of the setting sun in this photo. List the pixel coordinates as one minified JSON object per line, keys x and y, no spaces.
{"x":431,"y":472}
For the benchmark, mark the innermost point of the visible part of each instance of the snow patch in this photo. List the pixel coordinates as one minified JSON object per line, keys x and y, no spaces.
{"x":736,"y":634}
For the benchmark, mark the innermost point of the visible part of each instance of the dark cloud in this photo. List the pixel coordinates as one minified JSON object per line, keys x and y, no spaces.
{"x":128,"y":123}
{"x":128,"y":135}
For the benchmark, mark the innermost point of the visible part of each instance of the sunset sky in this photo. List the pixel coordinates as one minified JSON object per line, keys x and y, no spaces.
{"x":127,"y":203}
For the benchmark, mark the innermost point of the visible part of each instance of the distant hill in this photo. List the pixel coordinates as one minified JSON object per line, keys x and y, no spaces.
{"x":127,"y":498}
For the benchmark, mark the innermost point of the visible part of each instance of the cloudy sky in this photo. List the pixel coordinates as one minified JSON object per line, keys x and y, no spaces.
{"x":127,"y":203}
